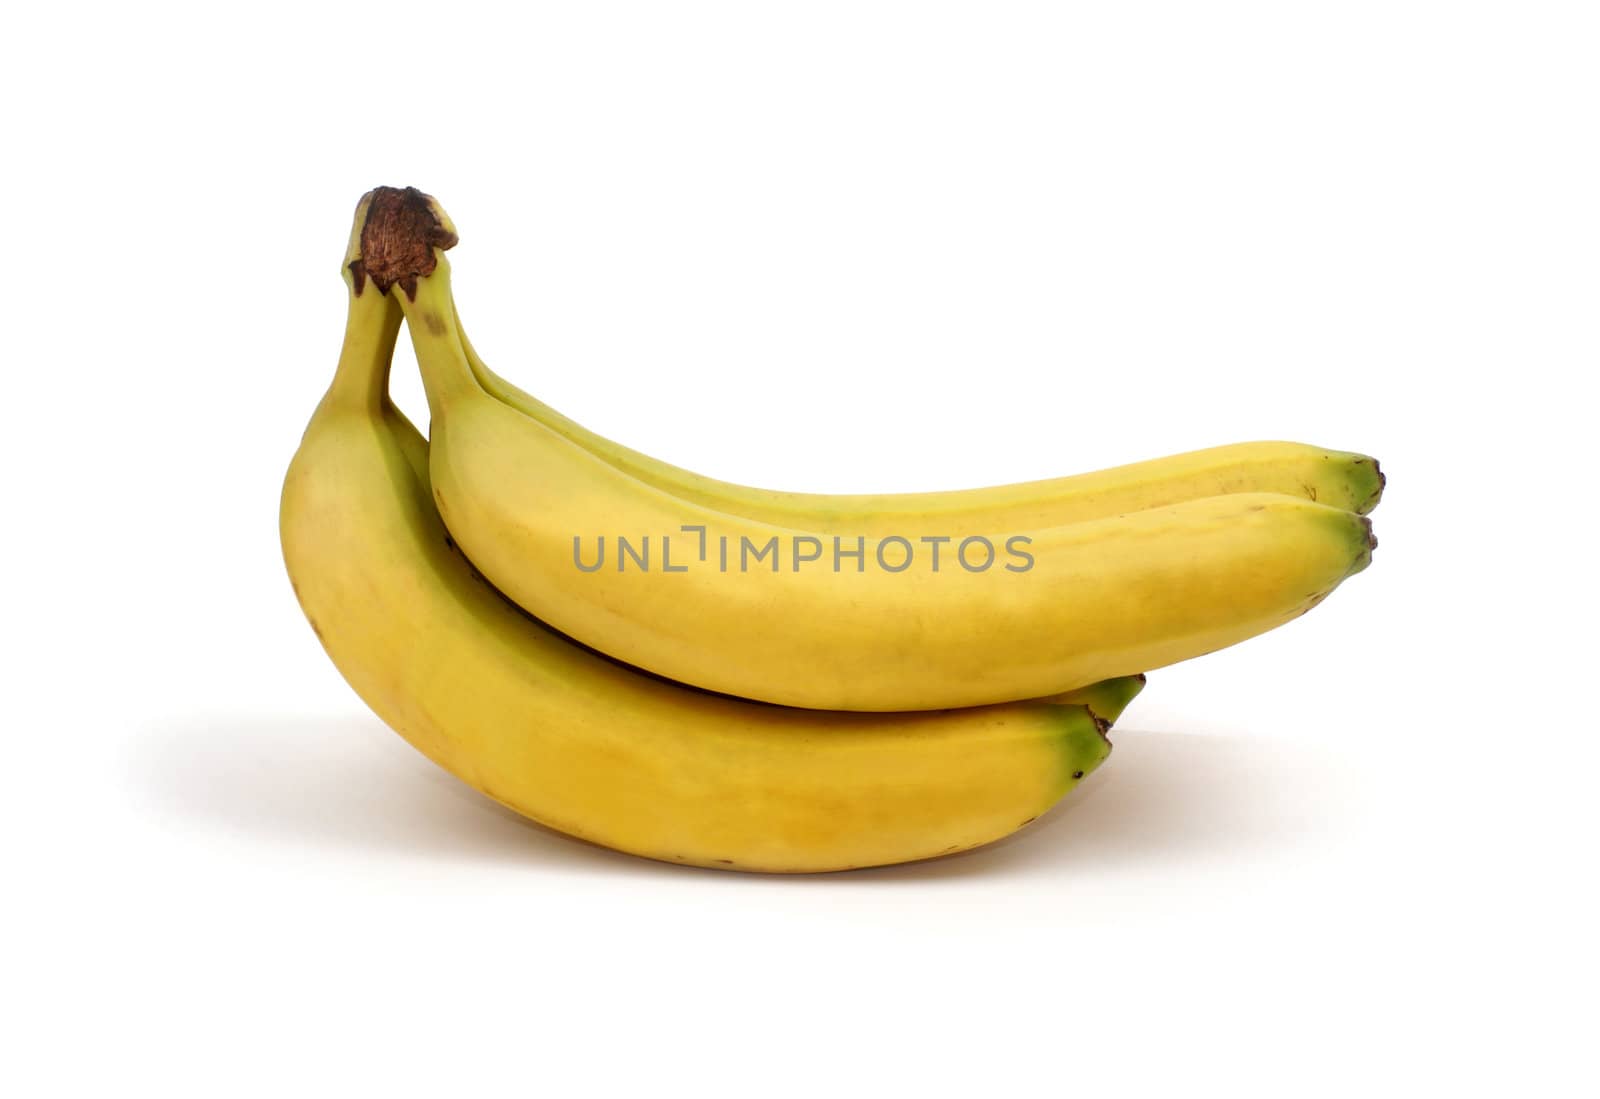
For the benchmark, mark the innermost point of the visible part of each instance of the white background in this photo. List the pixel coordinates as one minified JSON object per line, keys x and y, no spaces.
{"x":826,"y":246}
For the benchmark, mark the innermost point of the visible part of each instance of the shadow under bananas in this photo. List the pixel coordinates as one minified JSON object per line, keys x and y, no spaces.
{"x":1166,"y":798}
{"x":351,"y":783}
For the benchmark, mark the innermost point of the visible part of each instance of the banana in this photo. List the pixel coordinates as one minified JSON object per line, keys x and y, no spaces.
{"x":1340,"y":479}
{"x":599,"y":751}
{"x":1068,"y":606}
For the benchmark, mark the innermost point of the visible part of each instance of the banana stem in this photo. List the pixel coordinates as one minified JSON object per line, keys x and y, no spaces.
{"x":437,"y":339}
{"x":361,"y":382}
{"x":398,"y":247}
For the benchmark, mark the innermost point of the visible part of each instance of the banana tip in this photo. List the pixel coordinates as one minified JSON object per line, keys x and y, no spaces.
{"x":1378,"y":482}
{"x":1368,"y":543}
{"x":1377,"y":493}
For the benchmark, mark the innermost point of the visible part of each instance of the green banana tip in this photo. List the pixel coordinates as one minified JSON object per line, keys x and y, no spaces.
{"x":394,"y":241}
{"x":1368,"y":542}
{"x":1377,"y":492}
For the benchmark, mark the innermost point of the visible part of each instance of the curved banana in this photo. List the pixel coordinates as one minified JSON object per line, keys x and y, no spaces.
{"x":1352,"y":482}
{"x":602,"y":752}
{"x":1068,"y":605}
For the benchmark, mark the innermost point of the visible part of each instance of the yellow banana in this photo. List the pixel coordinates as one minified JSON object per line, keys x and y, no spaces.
{"x":602,"y":752}
{"x":1068,"y":605}
{"x":1339,"y":479}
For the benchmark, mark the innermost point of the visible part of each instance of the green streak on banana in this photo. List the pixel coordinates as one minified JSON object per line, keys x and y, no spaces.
{"x":1341,"y":479}
{"x":594,"y":749}
{"x":1104,"y":598}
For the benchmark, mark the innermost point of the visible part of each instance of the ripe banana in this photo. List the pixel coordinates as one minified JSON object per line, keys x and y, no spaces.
{"x":1075,"y":604}
{"x":599,"y":751}
{"x":1339,"y":479}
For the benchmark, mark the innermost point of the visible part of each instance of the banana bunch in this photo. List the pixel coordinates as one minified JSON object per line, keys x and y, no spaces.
{"x":725,"y":676}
